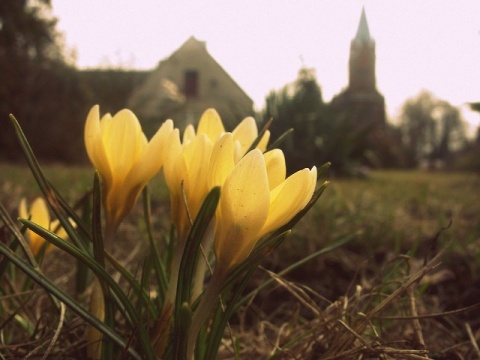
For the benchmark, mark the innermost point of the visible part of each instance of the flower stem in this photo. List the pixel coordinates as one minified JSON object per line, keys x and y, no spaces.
{"x":202,"y":263}
{"x":164,"y":322}
{"x":204,"y":310}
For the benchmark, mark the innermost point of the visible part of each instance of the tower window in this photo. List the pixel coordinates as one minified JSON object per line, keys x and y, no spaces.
{"x":191,"y":83}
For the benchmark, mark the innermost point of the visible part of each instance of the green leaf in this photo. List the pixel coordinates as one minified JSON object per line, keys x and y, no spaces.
{"x":188,"y":266}
{"x":192,"y":247}
{"x":182,"y":324}
{"x":48,"y":192}
{"x":260,"y":135}
{"x":51,"y":288}
{"x":139,"y":290}
{"x":123,"y":301}
{"x":234,"y":286}
{"x":280,"y":139}
{"x":159,"y":269}
{"x":12,"y":227}
{"x":322,"y":169}
{"x":18,"y":236}
{"x":98,"y":255}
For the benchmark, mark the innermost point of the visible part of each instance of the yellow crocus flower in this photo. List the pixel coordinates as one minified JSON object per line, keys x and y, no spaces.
{"x":38,"y":213}
{"x":185,"y":173}
{"x":257,"y":199}
{"x":242,"y":210}
{"x":125,"y":160}
{"x":276,"y":168}
{"x":210,"y":124}
{"x":188,"y":170}
{"x":244,"y":133}
{"x":222,"y":161}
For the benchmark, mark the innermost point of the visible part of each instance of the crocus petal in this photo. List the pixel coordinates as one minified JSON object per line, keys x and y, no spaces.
{"x":189,"y":134}
{"x":152,"y":160}
{"x":123,"y":141}
{"x":125,"y":144}
{"x":276,"y":169}
{"x":210,"y":124}
{"x":22,"y":209}
{"x":92,"y":131}
{"x":245,"y":133}
{"x":126,"y":161}
{"x":39,"y":213}
{"x":185,"y":173}
{"x":173,"y":171}
{"x":59,"y":231}
{"x":243,"y":209}
{"x":222,"y":161}
{"x":291,"y":196}
{"x":94,"y":146}
{"x":197,"y":156}
{"x":145,"y":168}
{"x":174,"y":150}
{"x":262,"y":145}
{"x":36,"y":242}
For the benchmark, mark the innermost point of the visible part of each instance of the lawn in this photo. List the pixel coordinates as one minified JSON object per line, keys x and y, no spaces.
{"x":370,"y":297}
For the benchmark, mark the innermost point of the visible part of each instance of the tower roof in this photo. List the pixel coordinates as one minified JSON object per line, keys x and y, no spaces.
{"x":363,"y":34}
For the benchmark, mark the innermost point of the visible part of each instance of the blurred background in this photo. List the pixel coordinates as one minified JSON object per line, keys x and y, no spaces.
{"x":365,"y":84}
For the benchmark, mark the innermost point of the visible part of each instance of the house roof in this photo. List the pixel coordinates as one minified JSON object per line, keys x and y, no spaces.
{"x":193,"y":43}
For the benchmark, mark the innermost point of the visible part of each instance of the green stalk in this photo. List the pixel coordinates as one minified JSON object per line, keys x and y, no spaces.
{"x":188,"y":262}
{"x":132,"y":317}
{"x":202,"y":263}
{"x":48,"y":192}
{"x":98,"y":255}
{"x":10,"y":224}
{"x":204,"y":310}
{"x":192,"y":247}
{"x":159,"y":269}
{"x":280,"y":139}
{"x":51,"y":288}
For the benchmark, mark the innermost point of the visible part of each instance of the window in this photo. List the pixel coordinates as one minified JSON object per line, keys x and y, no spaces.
{"x":191,"y":83}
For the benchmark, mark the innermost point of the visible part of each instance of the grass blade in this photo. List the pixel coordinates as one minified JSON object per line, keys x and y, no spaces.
{"x":99,"y":271}
{"x":192,"y":248}
{"x":159,"y":269}
{"x":98,"y":255}
{"x":45,"y":187}
{"x":51,"y":288}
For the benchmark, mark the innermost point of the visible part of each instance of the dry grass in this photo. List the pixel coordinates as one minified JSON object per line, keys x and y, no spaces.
{"x":406,"y":286}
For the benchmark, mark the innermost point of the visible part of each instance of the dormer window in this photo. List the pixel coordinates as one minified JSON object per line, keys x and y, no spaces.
{"x":191,"y":84}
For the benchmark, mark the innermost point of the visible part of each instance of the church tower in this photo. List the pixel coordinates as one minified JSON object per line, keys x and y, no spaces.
{"x":361,"y":92}
{"x":362,"y":59}
{"x":359,"y":109}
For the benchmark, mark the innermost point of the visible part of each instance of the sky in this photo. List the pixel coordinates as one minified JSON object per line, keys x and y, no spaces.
{"x":429,"y":45}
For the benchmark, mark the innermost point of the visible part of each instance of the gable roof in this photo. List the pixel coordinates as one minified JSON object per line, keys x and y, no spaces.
{"x":193,"y":44}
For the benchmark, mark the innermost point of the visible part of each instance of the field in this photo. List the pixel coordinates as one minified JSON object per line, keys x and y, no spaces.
{"x":404,"y":284}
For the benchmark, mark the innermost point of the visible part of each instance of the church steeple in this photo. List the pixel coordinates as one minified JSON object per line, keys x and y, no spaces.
{"x":363,"y":34}
{"x":362,"y":59}
{"x":361,"y":107}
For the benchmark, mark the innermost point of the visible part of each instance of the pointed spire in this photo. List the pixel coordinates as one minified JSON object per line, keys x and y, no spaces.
{"x":363,"y":34}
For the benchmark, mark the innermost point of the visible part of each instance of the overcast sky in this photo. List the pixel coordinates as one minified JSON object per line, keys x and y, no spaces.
{"x":420,"y":44}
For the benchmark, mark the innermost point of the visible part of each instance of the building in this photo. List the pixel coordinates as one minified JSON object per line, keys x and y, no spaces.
{"x":360,"y":106}
{"x":184,"y":85}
